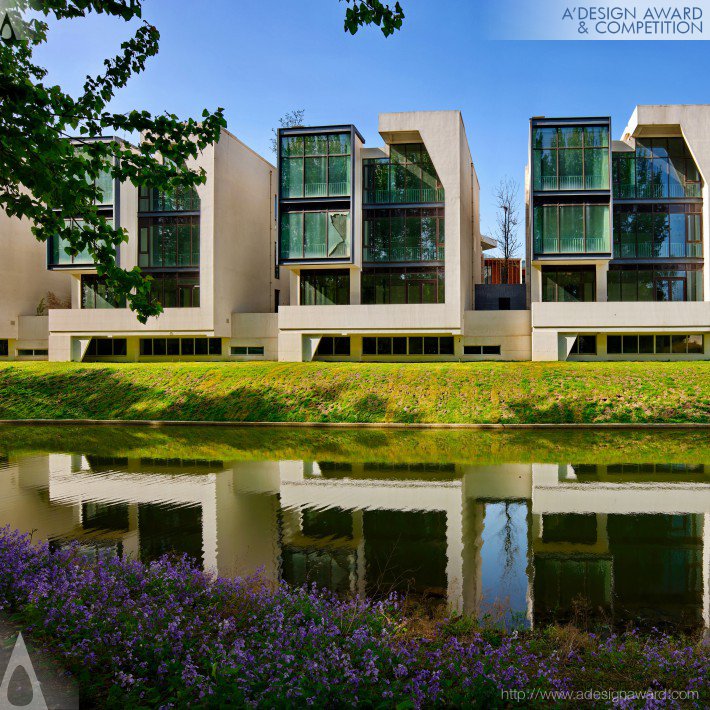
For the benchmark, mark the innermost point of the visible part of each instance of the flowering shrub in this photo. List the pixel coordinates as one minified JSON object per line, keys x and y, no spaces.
{"x":167,"y":634}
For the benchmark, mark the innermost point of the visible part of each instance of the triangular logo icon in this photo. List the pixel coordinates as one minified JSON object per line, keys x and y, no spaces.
{"x":20,"y":658}
{"x":7,"y":31}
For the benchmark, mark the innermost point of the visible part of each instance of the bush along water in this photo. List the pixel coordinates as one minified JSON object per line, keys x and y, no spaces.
{"x":165,"y":634}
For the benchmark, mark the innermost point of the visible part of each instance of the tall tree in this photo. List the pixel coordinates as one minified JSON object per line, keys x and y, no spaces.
{"x":46,"y":179}
{"x":507,"y":222}
{"x":292,"y":119}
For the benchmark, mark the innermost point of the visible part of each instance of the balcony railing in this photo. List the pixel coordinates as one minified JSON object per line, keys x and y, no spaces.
{"x":326,"y":189}
{"x":572,"y":245}
{"x":630,"y":191}
{"x":660,"y":250}
{"x":317,"y":251}
{"x":404,"y":196}
{"x":403,"y":254}
{"x":573,"y":182}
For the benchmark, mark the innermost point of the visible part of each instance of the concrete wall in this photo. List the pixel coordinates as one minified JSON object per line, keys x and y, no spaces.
{"x":509,"y":329}
{"x":245,"y":234}
{"x":488,"y":296}
{"x":24,"y":280}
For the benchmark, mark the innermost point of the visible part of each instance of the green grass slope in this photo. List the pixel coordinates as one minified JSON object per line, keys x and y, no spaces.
{"x":360,"y":392}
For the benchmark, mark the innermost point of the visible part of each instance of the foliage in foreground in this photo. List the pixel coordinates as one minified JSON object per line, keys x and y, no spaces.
{"x":165,"y":633}
{"x":500,"y":392}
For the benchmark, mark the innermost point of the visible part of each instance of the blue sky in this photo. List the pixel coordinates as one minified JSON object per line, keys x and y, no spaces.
{"x":259,"y":59}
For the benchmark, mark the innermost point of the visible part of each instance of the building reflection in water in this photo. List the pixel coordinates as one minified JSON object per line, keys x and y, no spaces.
{"x":516,"y":542}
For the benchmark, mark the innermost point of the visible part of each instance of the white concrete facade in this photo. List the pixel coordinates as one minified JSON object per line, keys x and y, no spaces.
{"x":240,"y":287}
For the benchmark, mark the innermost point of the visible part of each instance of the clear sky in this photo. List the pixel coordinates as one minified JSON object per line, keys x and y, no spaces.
{"x":259,"y":59}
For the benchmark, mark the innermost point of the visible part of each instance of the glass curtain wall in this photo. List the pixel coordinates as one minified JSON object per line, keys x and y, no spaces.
{"x":655,"y":282}
{"x":665,"y":230}
{"x":96,"y":294}
{"x":404,"y":235}
{"x":659,"y":168}
{"x":572,"y":229}
{"x":323,"y":234}
{"x":564,"y":284}
{"x":325,"y":287}
{"x":407,"y":285}
{"x":57,"y":250}
{"x":408,"y":176}
{"x":571,"y":158}
{"x":169,"y":245}
{"x":316,"y":165}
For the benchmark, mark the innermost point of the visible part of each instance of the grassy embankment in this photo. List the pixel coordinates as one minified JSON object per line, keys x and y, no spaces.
{"x":360,"y":392}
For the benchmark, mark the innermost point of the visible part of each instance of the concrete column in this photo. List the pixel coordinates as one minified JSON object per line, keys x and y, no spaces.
{"x":601,"y":271}
{"x":355,"y":287}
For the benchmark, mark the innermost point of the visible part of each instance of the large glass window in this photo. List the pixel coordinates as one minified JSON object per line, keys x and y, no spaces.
{"x":661,"y":230}
{"x":655,"y":282}
{"x":406,"y":285}
{"x":179,"y":200}
{"x":316,"y":165}
{"x":169,"y":241}
{"x":568,"y":283}
{"x":659,"y":168}
{"x":404,"y":235}
{"x":57,"y":249}
{"x":315,"y":235}
{"x":571,"y":229}
{"x":571,"y":158}
{"x":325,"y":288}
{"x":176,"y":289}
{"x":96,"y":294}
{"x":408,"y":176}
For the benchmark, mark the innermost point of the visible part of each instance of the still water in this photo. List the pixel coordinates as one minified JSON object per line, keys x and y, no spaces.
{"x":514,"y":527}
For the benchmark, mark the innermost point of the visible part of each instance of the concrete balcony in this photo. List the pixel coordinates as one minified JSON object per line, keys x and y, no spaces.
{"x":33,"y":328}
{"x":123,"y":321}
{"x":404,"y":318}
{"x":628,"y":316}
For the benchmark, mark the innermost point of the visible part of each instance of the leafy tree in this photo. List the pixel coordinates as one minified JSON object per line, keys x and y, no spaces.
{"x":373,"y":12}
{"x":45,"y":178}
{"x":292,"y":119}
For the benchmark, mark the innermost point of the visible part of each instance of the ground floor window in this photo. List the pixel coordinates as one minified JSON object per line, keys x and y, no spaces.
{"x":655,"y":344}
{"x":95,"y":293}
{"x":320,"y":287}
{"x":481,"y":349}
{"x":176,"y":289}
{"x":655,"y":282}
{"x":4,"y":348}
{"x":584,"y":345}
{"x":172,"y":347}
{"x":107,"y":347}
{"x":333,"y":346}
{"x":565,"y":284}
{"x":427,"y":345}
{"x":33,"y":352}
{"x":247,"y":350}
{"x":404,"y":285}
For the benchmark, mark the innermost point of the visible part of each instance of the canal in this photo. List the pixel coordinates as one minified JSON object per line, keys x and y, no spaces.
{"x":519,"y":528}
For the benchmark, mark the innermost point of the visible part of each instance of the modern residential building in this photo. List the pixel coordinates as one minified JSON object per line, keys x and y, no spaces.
{"x":617,"y":236}
{"x":384,"y":245}
{"x":348,"y":252}
{"x":211,"y":255}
